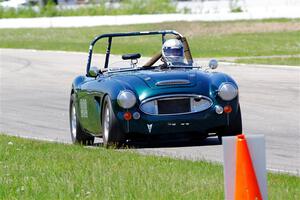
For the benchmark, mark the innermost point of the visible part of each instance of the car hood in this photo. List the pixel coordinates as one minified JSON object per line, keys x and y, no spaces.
{"x":168,"y":78}
{"x":149,"y":83}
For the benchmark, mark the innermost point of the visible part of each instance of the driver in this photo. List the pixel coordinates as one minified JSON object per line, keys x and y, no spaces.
{"x":173,"y":52}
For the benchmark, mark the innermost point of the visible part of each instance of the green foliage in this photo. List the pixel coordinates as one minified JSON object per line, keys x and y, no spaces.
{"x":148,"y":7}
{"x":236,"y":10}
{"x":235,"y":6}
{"x":49,"y":9}
{"x":127,"y":7}
{"x":21,"y":12}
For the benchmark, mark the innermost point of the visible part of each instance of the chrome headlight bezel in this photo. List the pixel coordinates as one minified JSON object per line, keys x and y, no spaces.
{"x":227,"y":91}
{"x":126,"y":99}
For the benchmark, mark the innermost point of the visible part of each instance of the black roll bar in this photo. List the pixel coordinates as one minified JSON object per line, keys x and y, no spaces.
{"x":111,"y":35}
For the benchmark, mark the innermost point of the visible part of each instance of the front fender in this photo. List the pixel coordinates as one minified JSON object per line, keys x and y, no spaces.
{"x":218,"y":78}
{"x":77,"y":82}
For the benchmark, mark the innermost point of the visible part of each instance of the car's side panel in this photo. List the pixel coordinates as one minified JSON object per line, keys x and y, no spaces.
{"x":88,"y":103}
{"x":89,"y":100}
{"x":91,"y":94}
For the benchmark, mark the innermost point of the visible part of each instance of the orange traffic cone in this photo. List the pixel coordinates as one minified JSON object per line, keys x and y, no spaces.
{"x":246,"y":185}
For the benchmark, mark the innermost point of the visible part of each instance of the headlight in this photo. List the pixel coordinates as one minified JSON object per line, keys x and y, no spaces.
{"x":227,"y":91}
{"x":126,"y":99}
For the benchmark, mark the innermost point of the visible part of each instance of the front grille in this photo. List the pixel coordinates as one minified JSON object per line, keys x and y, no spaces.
{"x":174,"y":106}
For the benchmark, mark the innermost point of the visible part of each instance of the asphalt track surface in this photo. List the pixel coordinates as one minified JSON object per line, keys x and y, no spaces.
{"x":35,"y":88}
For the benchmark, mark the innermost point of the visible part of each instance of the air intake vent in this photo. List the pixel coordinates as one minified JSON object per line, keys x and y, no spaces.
{"x":173,"y":82}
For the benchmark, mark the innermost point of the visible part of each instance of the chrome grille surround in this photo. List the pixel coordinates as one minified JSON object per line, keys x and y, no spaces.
{"x":198,"y":103}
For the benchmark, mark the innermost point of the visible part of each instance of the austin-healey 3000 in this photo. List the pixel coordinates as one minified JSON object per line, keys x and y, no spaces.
{"x":123,"y":102}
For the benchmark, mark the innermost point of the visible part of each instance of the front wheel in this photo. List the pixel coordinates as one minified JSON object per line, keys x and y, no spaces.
{"x":112,"y":134}
{"x":78,"y":136}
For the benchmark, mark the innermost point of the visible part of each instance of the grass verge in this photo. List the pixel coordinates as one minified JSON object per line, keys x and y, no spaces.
{"x":207,"y":39}
{"x":292,"y":61}
{"x":41,"y":170}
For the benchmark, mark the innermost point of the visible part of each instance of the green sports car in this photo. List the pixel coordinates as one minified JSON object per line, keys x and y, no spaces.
{"x":152,"y":100}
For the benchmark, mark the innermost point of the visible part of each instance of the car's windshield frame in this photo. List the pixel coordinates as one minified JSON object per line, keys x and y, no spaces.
{"x":112,"y":35}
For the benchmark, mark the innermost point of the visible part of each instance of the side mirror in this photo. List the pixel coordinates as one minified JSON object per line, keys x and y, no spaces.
{"x":93,"y":72}
{"x":213,"y":64}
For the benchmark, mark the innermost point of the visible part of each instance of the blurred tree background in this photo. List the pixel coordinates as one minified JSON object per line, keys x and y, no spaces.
{"x":52,"y":8}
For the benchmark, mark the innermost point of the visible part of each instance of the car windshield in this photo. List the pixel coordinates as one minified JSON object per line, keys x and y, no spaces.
{"x":122,"y":47}
{"x":116,"y":62}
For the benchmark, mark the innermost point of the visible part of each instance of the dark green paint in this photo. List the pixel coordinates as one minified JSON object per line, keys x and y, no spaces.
{"x":202,"y":83}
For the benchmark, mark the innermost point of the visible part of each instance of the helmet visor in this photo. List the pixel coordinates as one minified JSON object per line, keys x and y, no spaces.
{"x":173,"y":52}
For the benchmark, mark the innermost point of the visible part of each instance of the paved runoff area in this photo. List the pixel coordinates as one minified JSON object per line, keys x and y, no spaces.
{"x":34,"y":99}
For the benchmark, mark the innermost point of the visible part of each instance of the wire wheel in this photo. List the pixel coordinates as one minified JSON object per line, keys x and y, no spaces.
{"x":112,"y":134}
{"x":73,"y":121}
{"x":106,"y":122}
{"x":78,"y":135}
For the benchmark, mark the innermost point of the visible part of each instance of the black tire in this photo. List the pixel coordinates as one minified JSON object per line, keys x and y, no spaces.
{"x":78,"y":135}
{"x":235,"y":127}
{"x":112,"y":134}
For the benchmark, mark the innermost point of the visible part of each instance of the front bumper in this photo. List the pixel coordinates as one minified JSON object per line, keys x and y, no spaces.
{"x":202,"y":122}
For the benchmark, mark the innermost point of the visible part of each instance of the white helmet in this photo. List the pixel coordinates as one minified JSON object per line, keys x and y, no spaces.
{"x":172,"y":51}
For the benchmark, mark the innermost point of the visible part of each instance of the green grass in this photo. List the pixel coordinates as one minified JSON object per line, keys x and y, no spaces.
{"x":207,"y":39}
{"x":292,"y":61}
{"x":40,"y":170}
{"x":279,"y":20}
{"x":253,"y":44}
